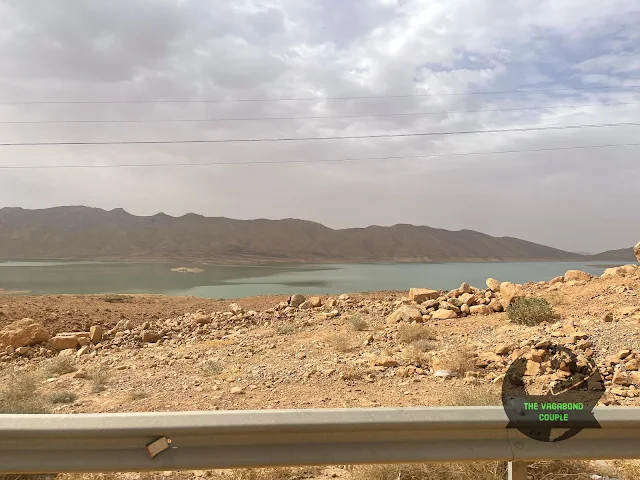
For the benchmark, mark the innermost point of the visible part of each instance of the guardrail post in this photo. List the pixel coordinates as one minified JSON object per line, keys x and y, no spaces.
{"x":517,"y":471}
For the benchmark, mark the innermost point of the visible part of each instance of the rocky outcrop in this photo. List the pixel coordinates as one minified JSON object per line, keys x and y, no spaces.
{"x":509,"y":292}
{"x":420,"y":295}
{"x":577,"y":275}
{"x":23,"y":333}
{"x":636,"y":250}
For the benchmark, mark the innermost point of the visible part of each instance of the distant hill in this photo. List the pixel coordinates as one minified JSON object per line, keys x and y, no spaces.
{"x":623,"y":255}
{"x":90,"y":233}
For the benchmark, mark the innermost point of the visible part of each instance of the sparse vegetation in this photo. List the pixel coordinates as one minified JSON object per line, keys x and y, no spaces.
{"x":431,"y":471}
{"x":358,"y":323}
{"x":138,"y":395}
{"x":424,"y":345}
{"x":416,"y":357}
{"x":268,"y":474}
{"x":342,"y":342}
{"x":352,"y":372}
{"x":285,"y":329}
{"x":113,"y":298}
{"x":476,"y":397}
{"x":557,"y":299}
{"x":460,"y":362}
{"x":63,"y":397}
{"x":413,"y":333}
{"x":530,"y":311}
{"x":60,"y":366}
{"x":20,"y":394}
{"x":211,"y":368}
{"x":99,"y":376}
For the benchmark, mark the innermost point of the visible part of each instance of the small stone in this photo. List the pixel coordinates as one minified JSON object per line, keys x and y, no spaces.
{"x":149,"y":336}
{"x":465,"y":309}
{"x":420,"y":295}
{"x":344,"y":297}
{"x":387,"y":362}
{"x":622,"y":354}
{"x":238,"y":310}
{"x":481,"y":310}
{"x":83,"y":350}
{"x":608,"y":317}
{"x":69,"y":352}
{"x":577,"y":275}
{"x":237,"y":390}
{"x":444,"y":374}
{"x":621,"y":378}
{"x":632,"y":365}
{"x":9,"y":350}
{"x":503,"y":349}
{"x":63,"y":342}
{"x":493,"y":284}
{"x":22,"y":350}
{"x":533,"y":368}
{"x":315,"y":302}
{"x":443,"y":314}
{"x":80,"y":374}
{"x":306,"y":305}
{"x":465,"y":288}
{"x":95,"y":334}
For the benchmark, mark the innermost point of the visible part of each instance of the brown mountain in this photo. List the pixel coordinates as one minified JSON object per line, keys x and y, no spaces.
{"x":91,"y":233}
{"x":623,"y":255}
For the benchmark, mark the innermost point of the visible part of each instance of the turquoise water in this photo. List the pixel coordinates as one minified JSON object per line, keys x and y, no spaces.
{"x":240,"y":281}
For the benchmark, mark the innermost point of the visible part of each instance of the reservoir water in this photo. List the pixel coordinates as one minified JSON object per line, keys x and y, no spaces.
{"x":218,"y":281}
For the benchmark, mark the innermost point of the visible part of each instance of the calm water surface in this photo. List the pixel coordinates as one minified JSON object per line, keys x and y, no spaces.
{"x":239,"y":281}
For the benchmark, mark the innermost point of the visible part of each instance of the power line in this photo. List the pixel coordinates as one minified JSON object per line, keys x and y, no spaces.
{"x":319,"y":117}
{"x":293,"y":139}
{"x":272,"y":162}
{"x":414,"y":95}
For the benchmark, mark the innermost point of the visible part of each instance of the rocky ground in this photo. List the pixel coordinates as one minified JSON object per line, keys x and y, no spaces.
{"x":153,"y":353}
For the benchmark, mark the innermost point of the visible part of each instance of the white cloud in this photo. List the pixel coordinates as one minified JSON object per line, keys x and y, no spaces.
{"x":94,"y":50}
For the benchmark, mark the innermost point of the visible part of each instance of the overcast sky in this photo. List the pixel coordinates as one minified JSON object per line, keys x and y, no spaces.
{"x":133,"y":50}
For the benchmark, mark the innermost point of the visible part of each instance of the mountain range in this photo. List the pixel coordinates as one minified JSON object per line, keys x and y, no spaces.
{"x":83,"y":233}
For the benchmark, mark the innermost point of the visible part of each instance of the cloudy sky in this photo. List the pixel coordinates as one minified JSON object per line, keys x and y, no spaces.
{"x":435,"y":66}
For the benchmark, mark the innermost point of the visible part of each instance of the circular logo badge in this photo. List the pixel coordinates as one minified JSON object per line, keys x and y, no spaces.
{"x":549,"y":394}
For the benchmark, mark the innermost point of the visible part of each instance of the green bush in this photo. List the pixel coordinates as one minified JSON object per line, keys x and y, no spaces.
{"x":63,"y":397}
{"x":530,"y":311}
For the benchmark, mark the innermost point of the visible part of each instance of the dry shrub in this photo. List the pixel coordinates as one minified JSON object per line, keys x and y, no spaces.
{"x":20,"y":394}
{"x":60,"y":366}
{"x":416,"y":357}
{"x":627,"y":469}
{"x":460,"y":362}
{"x":285,"y":329}
{"x":431,"y":471}
{"x":341,"y":342}
{"x":358,"y":323}
{"x":63,"y":396}
{"x":137,"y":395}
{"x":267,"y":473}
{"x":413,"y":333}
{"x":561,"y":469}
{"x":99,"y":376}
{"x":475,"y":397}
{"x":211,"y":368}
{"x":424,"y":345}
{"x":352,"y":372}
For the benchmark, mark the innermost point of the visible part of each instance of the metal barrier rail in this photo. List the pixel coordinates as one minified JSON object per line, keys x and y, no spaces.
{"x":269,"y":438}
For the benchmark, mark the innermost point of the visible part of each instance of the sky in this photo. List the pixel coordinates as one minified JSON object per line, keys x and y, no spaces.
{"x":432,"y":67}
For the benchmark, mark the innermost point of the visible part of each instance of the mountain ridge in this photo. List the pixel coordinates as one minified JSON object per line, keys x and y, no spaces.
{"x":79,"y":232}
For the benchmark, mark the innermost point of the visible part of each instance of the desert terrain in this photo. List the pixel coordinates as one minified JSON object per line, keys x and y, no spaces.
{"x":129,"y":353}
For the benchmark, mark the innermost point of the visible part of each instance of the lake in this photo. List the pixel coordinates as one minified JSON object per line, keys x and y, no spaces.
{"x":239,"y":281}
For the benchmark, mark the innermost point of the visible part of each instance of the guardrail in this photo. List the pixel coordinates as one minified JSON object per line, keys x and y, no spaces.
{"x":268,"y":438}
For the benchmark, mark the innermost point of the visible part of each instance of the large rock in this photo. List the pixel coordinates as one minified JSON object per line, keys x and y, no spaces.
{"x":577,"y":275}
{"x":296,"y":300}
{"x":405,"y":313}
{"x":95,"y":334}
{"x":493,"y":284}
{"x":64,"y":342}
{"x":509,"y":292}
{"x":420,"y":295}
{"x":443,"y":314}
{"x":636,"y":250}
{"x":23,"y":333}
{"x":467,"y":299}
{"x":149,"y":336}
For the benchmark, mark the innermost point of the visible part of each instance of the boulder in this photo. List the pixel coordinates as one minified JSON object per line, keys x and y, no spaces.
{"x":23,"y":333}
{"x":202,"y":319}
{"x":443,"y":314}
{"x":420,"y":295}
{"x":480,"y":310}
{"x":467,"y":298}
{"x":555,"y":280}
{"x":149,"y":336}
{"x":577,"y":275}
{"x":465,"y":288}
{"x":64,"y":342}
{"x":95,"y":334}
{"x":315,"y":302}
{"x":236,"y":309}
{"x":509,"y":292}
{"x":636,"y":250}
{"x":306,"y":305}
{"x":495,"y":305}
{"x":493,"y":284}
{"x":405,"y":313}
{"x":296,"y":300}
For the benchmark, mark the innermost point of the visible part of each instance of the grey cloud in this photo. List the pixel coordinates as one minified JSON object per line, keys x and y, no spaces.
{"x":173,"y":49}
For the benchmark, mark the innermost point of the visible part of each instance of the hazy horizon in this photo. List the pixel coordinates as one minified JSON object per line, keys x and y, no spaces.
{"x":191,"y":70}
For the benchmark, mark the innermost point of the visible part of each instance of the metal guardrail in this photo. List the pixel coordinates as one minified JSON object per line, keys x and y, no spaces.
{"x":268,"y":438}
